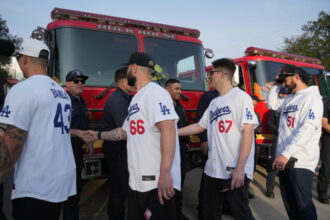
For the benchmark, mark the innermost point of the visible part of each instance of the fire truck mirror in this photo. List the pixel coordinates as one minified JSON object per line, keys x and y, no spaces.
{"x":235,"y":80}
{"x":252,"y":64}
{"x":209,"y":53}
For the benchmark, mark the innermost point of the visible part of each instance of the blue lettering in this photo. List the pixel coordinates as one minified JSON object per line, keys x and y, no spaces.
{"x":132,"y":110}
{"x":218,"y":112}
{"x":59,"y":94}
{"x":290,"y":108}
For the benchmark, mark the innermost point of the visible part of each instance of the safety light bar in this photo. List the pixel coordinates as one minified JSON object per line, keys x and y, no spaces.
{"x":254,"y":51}
{"x":65,"y":14}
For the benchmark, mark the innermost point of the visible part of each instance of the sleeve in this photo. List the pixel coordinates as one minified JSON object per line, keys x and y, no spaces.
{"x":204,"y":121}
{"x":274,"y":102}
{"x":160,"y":108}
{"x":248,"y":116}
{"x":311,"y":120}
{"x":19,"y":107}
{"x":125,"y":125}
{"x":202,"y":106}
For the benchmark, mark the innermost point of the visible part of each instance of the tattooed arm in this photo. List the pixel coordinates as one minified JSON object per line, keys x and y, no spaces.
{"x":118,"y":134}
{"x":11,"y":145}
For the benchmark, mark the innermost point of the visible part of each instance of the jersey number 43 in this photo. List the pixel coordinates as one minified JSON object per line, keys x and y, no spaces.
{"x":62,"y":118}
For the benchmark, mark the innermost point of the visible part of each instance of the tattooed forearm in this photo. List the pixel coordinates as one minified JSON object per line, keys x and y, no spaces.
{"x":11,"y":146}
{"x":5,"y":159}
{"x":117,"y":134}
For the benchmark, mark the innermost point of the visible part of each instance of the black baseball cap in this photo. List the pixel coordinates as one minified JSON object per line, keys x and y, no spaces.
{"x":74,"y":74}
{"x":141,"y":59}
{"x":290,"y":70}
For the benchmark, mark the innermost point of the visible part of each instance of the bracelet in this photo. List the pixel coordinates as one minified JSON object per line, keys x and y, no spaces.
{"x":99,"y":135}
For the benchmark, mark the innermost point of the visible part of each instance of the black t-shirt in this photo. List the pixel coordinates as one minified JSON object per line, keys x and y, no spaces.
{"x":79,"y":120}
{"x":115,"y":112}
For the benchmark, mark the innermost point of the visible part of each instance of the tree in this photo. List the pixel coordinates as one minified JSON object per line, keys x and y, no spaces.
{"x":4,"y":34}
{"x":314,"y":41}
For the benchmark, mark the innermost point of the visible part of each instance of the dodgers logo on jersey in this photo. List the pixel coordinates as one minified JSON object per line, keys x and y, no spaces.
{"x":311,"y":114}
{"x":248,"y":114}
{"x":132,"y":110}
{"x":5,"y":112}
{"x":218,"y":112}
{"x":164,"y":109}
{"x":290,"y":108}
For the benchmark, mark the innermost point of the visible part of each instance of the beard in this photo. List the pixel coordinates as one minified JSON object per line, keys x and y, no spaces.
{"x":131,"y":80}
{"x":291,"y":87}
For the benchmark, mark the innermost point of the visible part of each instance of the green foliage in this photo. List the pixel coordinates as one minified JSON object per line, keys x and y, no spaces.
{"x":4,"y":34}
{"x":314,"y":41}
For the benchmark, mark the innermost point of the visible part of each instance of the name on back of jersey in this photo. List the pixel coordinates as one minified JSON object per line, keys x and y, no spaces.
{"x":59,"y":94}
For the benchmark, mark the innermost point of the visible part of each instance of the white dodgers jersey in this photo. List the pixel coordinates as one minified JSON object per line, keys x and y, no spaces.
{"x":45,"y":169}
{"x":298,"y":110}
{"x":152,"y":104}
{"x":224,"y":120}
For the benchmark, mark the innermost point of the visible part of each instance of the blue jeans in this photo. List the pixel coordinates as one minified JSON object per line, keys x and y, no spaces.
{"x":296,"y":191}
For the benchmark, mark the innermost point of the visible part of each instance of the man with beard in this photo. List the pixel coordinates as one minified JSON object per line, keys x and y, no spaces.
{"x":298,"y":142}
{"x":152,"y":145}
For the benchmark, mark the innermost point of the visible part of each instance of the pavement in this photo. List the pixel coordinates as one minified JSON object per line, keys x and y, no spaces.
{"x":93,"y":201}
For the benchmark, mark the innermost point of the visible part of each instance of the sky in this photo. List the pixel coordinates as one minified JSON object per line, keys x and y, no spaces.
{"x":227,"y":27}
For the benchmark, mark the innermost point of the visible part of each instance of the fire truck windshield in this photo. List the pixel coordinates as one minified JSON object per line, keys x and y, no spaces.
{"x":98,"y":54}
{"x":178,"y":59}
{"x":265,"y":72}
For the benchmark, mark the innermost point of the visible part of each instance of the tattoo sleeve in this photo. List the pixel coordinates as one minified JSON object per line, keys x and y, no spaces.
{"x":11,"y":146}
{"x":117,"y":134}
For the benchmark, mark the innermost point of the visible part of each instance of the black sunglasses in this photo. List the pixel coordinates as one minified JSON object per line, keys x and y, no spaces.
{"x":76,"y":81}
{"x":18,"y":56}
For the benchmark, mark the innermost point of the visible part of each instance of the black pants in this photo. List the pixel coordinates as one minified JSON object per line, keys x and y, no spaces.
{"x":141,"y":205}
{"x":2,"y":214}
{"x":270,"y":180}
{"x":324,"y":172}
{"x":296,"y":191}
{"x":118,"y":178}
{"x":178,"y":194}
{"x":71,"y":206}
{"x":213,"y":200}
{"x":30,"y":208}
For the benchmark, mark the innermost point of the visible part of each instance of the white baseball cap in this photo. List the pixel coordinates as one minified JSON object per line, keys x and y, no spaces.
{"x":34,"y":48}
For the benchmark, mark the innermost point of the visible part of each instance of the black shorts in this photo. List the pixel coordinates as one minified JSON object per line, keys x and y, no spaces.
{"x":146,"y":206}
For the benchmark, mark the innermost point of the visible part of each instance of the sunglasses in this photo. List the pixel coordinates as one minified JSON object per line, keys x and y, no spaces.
{"x":18,"y":56}
{"x":76,"y":81}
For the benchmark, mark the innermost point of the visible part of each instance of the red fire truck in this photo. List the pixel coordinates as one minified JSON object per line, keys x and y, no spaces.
{"x":98,"y":45}
{"x":256,"y":73}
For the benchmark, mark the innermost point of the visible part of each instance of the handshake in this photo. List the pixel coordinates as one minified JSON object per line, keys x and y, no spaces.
{"x":89,"y":137}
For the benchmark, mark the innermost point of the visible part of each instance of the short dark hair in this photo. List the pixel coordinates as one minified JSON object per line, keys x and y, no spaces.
{"x":171,"y":81}
{"x":120,"y":73}
{"x":225,"y":63}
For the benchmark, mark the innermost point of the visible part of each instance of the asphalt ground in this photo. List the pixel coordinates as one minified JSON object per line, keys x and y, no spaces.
{"x":93,"y":201}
